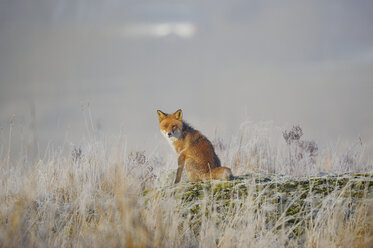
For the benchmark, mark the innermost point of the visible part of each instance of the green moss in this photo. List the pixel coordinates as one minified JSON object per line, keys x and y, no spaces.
{"x":273,"y":195}
{"x":145,"y":192}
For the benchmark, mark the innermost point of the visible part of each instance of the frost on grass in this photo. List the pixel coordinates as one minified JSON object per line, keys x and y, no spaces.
{"x":100,"y":195}
{"x":293,"y":202}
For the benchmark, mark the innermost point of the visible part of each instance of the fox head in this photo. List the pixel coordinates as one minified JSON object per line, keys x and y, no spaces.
{"x":171,"y":125}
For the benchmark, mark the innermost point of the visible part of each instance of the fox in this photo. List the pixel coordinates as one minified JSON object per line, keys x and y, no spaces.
{"x":195,"y":152}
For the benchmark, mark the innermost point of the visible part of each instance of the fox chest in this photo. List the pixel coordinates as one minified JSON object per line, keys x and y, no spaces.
{"x":175,"y":143}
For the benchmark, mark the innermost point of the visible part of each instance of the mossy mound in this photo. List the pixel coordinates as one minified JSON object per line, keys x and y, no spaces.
{"x":276,"y":197}
{"x":354,"y":185}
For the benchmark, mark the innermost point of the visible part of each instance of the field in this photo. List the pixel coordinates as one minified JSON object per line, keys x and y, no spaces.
{"x":102,"y":195}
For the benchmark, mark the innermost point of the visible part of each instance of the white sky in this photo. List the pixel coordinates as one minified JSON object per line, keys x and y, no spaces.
{"x":222,"y":62}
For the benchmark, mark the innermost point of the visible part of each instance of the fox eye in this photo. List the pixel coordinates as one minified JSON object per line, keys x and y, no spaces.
{"x":173,"y":126}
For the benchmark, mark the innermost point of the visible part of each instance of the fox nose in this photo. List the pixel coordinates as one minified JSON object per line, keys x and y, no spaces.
{"x":169,"y":134}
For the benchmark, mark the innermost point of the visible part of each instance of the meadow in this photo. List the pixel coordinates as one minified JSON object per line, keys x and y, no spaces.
{"x":100,"y":194}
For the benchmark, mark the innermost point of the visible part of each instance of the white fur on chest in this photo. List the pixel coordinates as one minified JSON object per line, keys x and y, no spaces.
{"x":170,"y":140}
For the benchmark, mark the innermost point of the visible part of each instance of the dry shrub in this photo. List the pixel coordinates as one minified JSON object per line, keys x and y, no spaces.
{"x":98,"y":196}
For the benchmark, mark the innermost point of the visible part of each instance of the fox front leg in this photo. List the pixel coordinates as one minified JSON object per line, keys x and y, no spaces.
{"x":180,"y":162}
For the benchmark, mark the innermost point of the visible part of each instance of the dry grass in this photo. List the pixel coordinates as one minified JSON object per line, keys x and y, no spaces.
{"x":93,"y":197}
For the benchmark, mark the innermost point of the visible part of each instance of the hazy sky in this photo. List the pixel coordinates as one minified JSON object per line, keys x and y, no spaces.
{"x":222,"y":62}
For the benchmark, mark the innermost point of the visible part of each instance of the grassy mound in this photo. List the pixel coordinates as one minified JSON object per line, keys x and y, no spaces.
{"x":281,"y":200}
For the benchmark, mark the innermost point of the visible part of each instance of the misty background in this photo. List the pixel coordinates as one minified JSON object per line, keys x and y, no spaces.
{"x":64,"y":63}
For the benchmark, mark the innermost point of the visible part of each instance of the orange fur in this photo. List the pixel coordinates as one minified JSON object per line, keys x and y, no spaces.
{"x":195,"y":151}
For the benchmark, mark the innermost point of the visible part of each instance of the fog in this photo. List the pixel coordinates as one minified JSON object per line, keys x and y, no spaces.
{"x":65,"y":63}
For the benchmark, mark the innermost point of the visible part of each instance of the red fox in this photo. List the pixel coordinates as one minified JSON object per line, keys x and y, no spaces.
{"x":195,"y":151}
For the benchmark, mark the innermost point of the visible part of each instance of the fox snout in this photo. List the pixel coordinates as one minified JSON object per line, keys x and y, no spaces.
{"x":173,"y":133}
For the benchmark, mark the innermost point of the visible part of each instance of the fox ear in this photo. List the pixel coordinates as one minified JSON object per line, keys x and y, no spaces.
{"x":161,"y":115}
{"x":178,"y":115}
